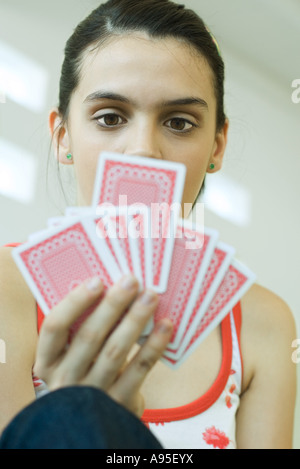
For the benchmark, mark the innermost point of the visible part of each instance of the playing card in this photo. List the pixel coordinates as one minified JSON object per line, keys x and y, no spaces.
{"x":101,"y":221}
{"x":214,"y":274}
{"x":126,"y":180}
{"x":133,"y":226}
{"x":38,"y":234}
{"x":105,"y":229}
{"x":77,"y":211}
{"x":141,"y":244}
{"x":129,"y":231}
{"x":191,"y":257}
{"x":237,"y":280}
{"x":54,"y":222}
{"x":62,"y":259}
{"x":70,"y":212}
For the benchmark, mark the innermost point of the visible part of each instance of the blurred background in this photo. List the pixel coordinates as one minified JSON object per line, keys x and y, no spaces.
{"x":253,"y":202}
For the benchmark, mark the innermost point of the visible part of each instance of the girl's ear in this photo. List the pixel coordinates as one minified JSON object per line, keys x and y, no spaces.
{"x":60,"y":137}
{"x":217,"y":156}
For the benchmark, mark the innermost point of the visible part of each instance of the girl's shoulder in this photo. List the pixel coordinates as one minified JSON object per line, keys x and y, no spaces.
{"x":17,"y":304}
{"x":11,"y":279}
{"x":264,"y":310}
{"x":268,"y":330}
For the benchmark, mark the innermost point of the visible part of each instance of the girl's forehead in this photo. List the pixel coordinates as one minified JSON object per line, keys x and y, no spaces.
{"x":135,"y":61}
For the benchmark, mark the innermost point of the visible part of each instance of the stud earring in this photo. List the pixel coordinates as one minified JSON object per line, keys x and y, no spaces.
{"x":211,"y":166}
{"x":69,"y":156}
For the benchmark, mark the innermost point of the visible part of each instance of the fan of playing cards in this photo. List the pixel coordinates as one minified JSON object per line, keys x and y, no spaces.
{"x":133,"y":226}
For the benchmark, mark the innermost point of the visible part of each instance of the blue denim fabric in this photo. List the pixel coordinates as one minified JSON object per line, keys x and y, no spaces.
{"x":77,"y":418}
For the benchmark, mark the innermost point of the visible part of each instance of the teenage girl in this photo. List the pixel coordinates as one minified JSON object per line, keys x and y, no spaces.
{"x":146,"y":78}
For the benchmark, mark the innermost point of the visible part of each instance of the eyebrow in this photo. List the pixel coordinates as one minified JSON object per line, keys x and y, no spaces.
{"x":186,"y":102}
{"x":98,"y":95}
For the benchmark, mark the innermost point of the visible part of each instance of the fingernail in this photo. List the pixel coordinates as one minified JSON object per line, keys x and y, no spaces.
{"x":128,"y":283}
{"x":148,"y":298}
{"x":164,"y":327}
{"x":94,"y":284}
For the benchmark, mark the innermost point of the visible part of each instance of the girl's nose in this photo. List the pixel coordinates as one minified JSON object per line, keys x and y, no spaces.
{"x":144,"y":141}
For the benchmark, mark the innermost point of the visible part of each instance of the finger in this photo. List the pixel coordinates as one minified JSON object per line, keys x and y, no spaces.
{"x":133,"y":377}
{"x":55,"y":330}
{"x":93,"y":333}
{"x":114,"y":353}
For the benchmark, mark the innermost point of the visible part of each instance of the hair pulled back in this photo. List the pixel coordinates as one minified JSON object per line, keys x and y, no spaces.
{"x":159,"y":19}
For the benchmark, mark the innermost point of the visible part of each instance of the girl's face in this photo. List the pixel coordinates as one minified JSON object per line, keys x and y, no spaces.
{"x":143,"y":97}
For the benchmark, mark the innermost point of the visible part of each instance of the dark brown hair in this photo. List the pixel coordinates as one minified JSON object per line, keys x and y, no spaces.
{"x":159,"y":19}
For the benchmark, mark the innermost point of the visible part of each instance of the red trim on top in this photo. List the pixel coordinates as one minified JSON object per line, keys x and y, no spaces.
{"x":12,"y":245}
{"x":209,"y":398}
{"x":237,"y":315}
{"x":40,"y":317}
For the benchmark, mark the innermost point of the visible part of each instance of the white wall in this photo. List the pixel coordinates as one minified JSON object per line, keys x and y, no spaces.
{"x":260,"y":43}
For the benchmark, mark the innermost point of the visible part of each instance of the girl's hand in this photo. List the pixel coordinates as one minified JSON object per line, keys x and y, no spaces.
{"x":98,"y":353}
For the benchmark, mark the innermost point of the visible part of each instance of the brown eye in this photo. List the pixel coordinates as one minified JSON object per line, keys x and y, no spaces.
{"x":180,"y":125}
{"x":109,"y":120}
